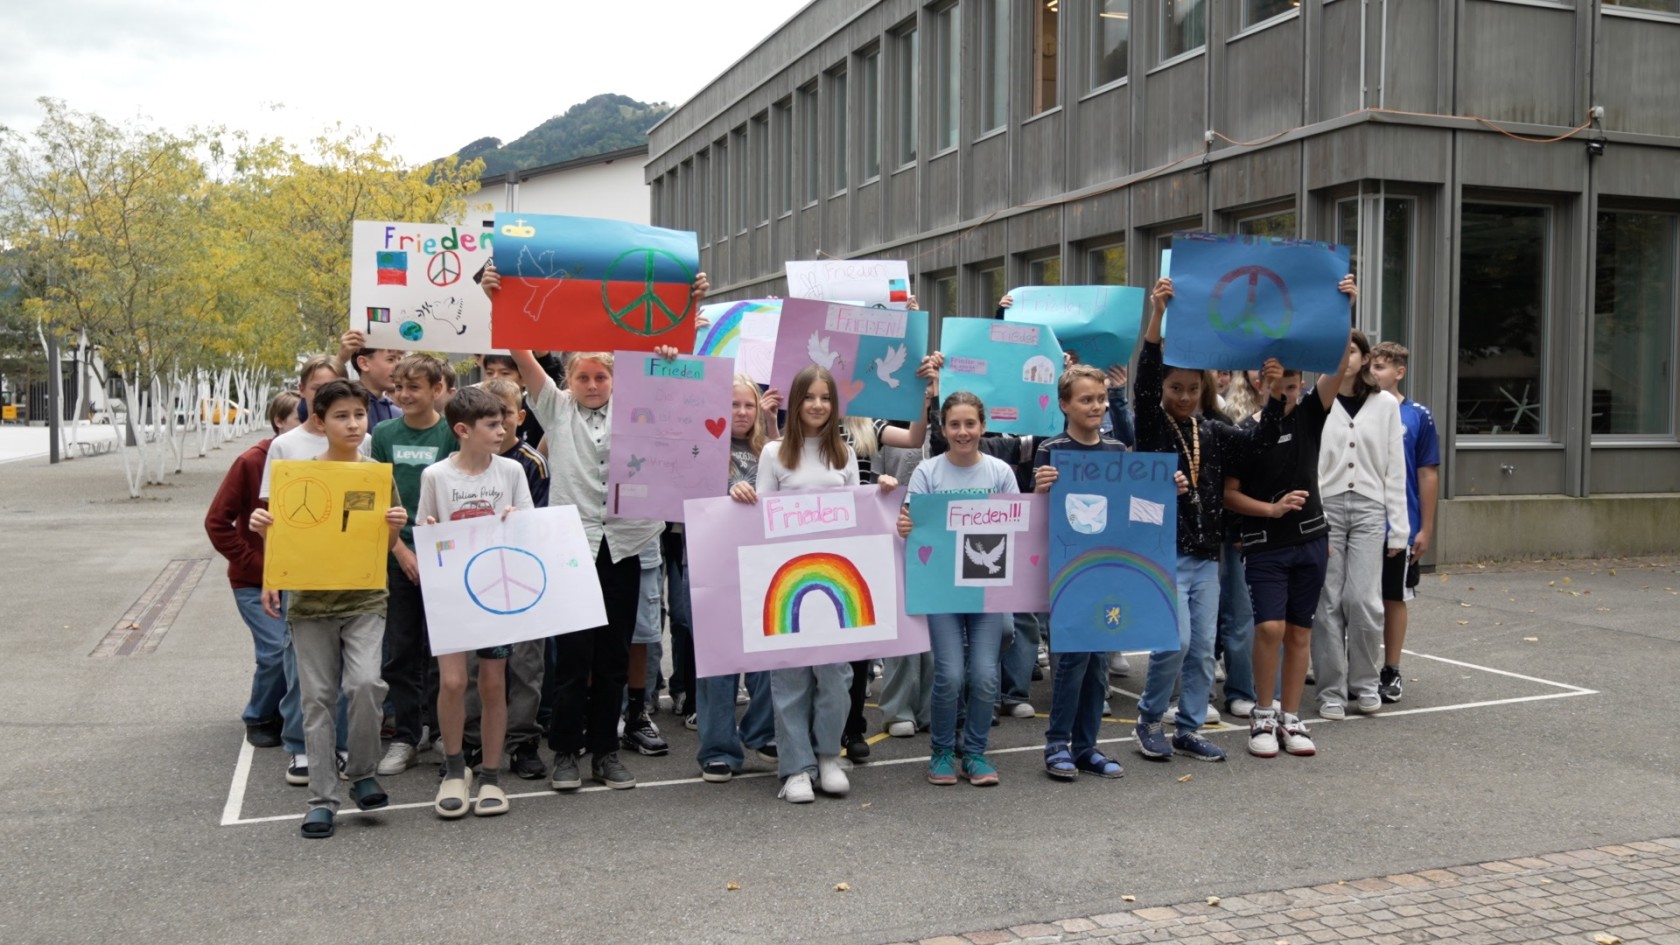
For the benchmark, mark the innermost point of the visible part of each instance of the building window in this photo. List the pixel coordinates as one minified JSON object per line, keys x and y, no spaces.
{"x":1183,"y":27}
{"x":947,"y":37}
{"x":1633,"y":323}
{"x":1045,"y":58}
{"x":1653,"y":6}
{"x":869,"y":104}
{"x":1502,"y":318}
{"x":782,"y":123}
{"x":1111,"y":41}
{"x":760,"y":170}
{"x":1106,"y":265}
{"x":942,"y":300}
{"x":809,"y":123}
{"x":743,"y":193}
{"x":994,"y":64}
{"x":700,"y":196}
{"x":720,"y":192}
{"x":837,"y":124}
{"x":1046,"y":270}
{"x":1258,"y":11}
{"x":905,"y":75}
{"x":991,"y":286}
{"x":1394,"y":243}
{"x":1281,"y":224}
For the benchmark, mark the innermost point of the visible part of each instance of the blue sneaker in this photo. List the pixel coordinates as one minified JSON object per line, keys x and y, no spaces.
{"x":1197,"y":747}
{"x":1152,"y":740}
{"x":942,"y":767}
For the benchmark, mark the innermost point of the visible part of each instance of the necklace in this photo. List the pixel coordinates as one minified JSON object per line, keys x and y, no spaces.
{"x":1193,"y":453}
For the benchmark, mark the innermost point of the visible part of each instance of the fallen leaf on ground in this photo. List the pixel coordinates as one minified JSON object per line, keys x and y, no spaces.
{"x":1464,"y":623}
{"x":842,"y":887}
{"x":1568,"y":580}
{"x":1341,"y":882}
{"x":1463,"y":604}
{"x":1443,"y":579}
{"x":1128,"y":899}
{"x":866,"y":805}
{"x":1612,"y":572}
{"x":733,"y":887}
{"x":1213,"y":900}
{"x":1551,"y":584}
{"x":1605,"y":938}
{"x":1185,"y":779}
{"x":1531,"y":639}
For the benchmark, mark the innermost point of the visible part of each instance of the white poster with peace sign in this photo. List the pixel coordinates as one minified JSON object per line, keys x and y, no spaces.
{"x":412,"y":287}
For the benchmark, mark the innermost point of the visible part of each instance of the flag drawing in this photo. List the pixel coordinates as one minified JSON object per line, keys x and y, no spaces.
{"x":443,"y":546}
{"x":382,"y":315}
{"x":1147,"y":512}
{"x":898,"y":290}
{"x":393,"y":267}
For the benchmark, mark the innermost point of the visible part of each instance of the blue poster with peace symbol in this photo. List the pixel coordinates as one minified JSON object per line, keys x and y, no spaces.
{"x":1238,"y":300}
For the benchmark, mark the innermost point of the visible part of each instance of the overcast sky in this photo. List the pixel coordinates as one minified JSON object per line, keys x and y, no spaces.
{"x":431,"y":76}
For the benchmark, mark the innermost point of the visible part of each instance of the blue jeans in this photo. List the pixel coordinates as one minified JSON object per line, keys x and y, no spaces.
{"x":1020,"y":657}
{"x":268,"y":637}
{"x":720,"y":738}
{"x":982,"y":635}
{"x":1236,"y":625}
{"x":291,"y":708}
{"x":1078,"y":691}
{"x":1191,"y":665}
{"x":812,"y":703}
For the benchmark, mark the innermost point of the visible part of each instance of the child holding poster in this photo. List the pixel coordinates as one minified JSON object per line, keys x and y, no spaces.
{"x":811,"y":702}
{"x":965,"y":646}
{"x":336,"y":636}
{"x":473,"y":483}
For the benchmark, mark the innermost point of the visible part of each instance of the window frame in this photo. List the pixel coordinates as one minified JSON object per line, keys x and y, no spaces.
{"x":869,"y":120}
{"x":1672,"y":435}
{"x":992,"y":45}
{"x":1094,"y":82}
{"x":947,"y":78}
{"x":906,"y":77}
{"x":1546,"y":437}
{"x":1162,"y":59}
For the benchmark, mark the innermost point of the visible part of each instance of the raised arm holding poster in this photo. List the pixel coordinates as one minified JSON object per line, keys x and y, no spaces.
{"x":582,"y":284}
{"x":1011,"y":366}
{"x":798,"y":579}
{"x":1100,"y":324}
{"x":411,"y":286}
{"x":977,"y":554}
{"x":1113,"y":552}
{"x":744,"y":331}
{"x":875,"y":283}
{"x":670,"y":434}
{"x":1238,"y":300}
{"x":873,"y":354}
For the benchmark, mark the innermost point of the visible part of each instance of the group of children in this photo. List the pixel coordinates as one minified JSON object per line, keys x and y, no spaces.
{"x":1314,"y":525}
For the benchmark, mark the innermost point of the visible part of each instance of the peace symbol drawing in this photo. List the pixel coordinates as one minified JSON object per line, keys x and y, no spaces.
{"x":444,"y":268}
{"x":1262,"y":285}
{"x":304,"y":503}
{"x":647,"y":313}
{"x":505,"y":580}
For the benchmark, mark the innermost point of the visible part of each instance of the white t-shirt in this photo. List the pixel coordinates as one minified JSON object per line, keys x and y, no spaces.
{"x":812,"y":472}
{"x":299,"y":442}
{"x":939,"y":474}
{"x":447,"y":494}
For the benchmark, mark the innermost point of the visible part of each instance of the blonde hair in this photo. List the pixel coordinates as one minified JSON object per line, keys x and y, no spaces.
{"x":1243,"y":401}
{"x":284,"y":404}
{"x":830,"y":445}
{"x":1074,"y":373}
{"x":756,"y":437}
{"x":862,"y":432}
{"x":604,"y":357}
{"x":316,"y":363}
{"x":504,"y":390}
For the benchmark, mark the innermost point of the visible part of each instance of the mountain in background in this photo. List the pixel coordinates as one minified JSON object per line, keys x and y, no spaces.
{"x":604,"y":123}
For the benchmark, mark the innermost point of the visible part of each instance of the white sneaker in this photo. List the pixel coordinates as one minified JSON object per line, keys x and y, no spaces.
{"x":797,"y":789}
{"x":1022,"y":710}
{"x":400,"y":757}
{"x":830,"y":777}
{"x":1241,"y":708}
{"x":1118,"y":665}
{"x":1211,"y":718}
{"x":1262,"y":735}
{"x":901,"y":729}
{"x":1295,"y":738}
{"x":1369,"y":703}
{"x":1333,"y":711}
{"x":742,"y":697}
{"x":1218,"y":670}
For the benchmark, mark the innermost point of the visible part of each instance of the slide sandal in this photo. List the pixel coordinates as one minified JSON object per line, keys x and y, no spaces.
{"x":453,"y":797}
{"x":1101,"y":765}
{"x":368,"y":794}
{"x":318,"y":824}
{"x":491,"y":800}
{"x":1058,"y":763}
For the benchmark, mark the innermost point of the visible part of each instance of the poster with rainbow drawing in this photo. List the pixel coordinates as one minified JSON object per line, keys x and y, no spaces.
{"x":1113,"y":552}
{"x":744,"y":331}
{"x":798,"y":579}
{"x":977,"y":554}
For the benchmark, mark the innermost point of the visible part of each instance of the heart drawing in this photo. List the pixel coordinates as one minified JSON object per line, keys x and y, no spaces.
{"x":1043,"y":401}
{"x":850,"y":389}
{"x":716,"y":427}
{"x":924,"y":552}
{"x":1034,"y":560}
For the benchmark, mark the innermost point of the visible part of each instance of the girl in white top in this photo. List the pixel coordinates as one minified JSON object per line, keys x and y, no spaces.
{"x":811,"y":702}
{"x":1362,"y":481}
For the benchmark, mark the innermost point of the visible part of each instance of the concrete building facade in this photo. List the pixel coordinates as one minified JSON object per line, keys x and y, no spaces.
{"x":608,"y":185}
{"x":1508,"y":172}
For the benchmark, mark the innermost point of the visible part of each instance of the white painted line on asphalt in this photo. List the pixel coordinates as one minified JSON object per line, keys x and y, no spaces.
{"x":1499,"y":672}
{"x":236,"y":790}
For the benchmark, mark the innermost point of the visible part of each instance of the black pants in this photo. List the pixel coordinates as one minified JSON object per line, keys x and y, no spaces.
{"x":674,"y":548}
{"x":855,"y":723}
{"x":594,"y":664}
{"x":409,"y":670}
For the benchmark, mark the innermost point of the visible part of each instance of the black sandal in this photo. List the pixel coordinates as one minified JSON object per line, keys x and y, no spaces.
{"x":1095,"y":762}
{"x":318,"y":824}
{"x":1058,"y":763}
{"x":368,"y":794}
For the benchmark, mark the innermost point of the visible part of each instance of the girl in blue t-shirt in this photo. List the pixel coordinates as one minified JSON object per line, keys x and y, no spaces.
{"x":965,"y":646}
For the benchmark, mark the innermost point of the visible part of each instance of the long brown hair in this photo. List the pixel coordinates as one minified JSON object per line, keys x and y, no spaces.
{"x":830,"y":445}
{"x":1363,"y":382}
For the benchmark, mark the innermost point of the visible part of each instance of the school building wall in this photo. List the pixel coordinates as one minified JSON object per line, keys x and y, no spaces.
{"x":995,"y":143}
{"x":608,"y":185}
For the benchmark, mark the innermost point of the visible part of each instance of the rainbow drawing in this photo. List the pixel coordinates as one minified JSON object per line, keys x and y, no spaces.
{"x":723,"y":338}
{"x":1104,"y":558}
{"x":641,"y":415}
{"x":831,"y":575}
{"x":379,"y":314}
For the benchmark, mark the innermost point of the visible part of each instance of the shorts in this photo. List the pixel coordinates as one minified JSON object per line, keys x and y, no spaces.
{"x":1284,"y":583}
{"x":650,"y":599}
{"x":494,"y":652}
{"x":1399,"y":577}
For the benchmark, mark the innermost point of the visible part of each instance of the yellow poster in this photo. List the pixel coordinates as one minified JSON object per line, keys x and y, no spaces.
{"x":329,"y":531}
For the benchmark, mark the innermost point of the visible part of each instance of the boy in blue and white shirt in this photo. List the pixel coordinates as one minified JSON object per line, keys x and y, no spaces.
{"x":1423,"y":465}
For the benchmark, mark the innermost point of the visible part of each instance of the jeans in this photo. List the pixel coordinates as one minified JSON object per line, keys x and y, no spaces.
{"x":974,"y":640}
{"x":721,"y":739}
{"x":592,"y":665}
{"x":1078,"y":692}
{"x":408,"y":658}
{"x":1020,"y":658}
{"x":907,"y":690}
{"x":1191,"y":665}
{"x":268,"y":638}
{"x":811,"y":706}
{"x":339,"y":658}
{"x":681,"y":614}
{"x":1236,"y":625}
{"x":1347,"y":637}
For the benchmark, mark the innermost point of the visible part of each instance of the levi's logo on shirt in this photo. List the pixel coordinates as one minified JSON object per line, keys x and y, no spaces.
{"x":414,"y":455}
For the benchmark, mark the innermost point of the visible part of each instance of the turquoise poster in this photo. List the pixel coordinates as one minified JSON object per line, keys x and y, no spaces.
{"x":1098,"y":324}
{"x":1011,"y":366}
{"x":977,"y":554}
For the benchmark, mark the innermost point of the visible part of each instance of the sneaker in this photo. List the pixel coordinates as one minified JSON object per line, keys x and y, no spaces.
{"x":857,"y":747}
{"x":1043,"y":656}
{"x":831,"y":777}
{"x":387,"y":726}
{"x":716,"y":772}
{"x":1197,"y":747}
{"x":685,"y":706}
{"x":1037,"y":673}
{"x":1262,"y":734}
{"x":691,"y":721}
{"x":427,"y":739}
{"x":901,"y":729}
{"x":767,"y":754}
{"x":527,"y":763}
{"x":565,"y":775}
{"x":1118,"y":665}
{"x":1211,"y":718}
{"x":297,"y":773}
{"x":1021,"y":710}
{"x":263,"y":734}
{"x":797,"y":789}
{"x":979,"y":771}
{"x":1108,"y":710}
{"x":1240,"y":708}
{"x":1334,"y":711}
{"x":1152,"y":740}
{"x":1295,"y":738}
{"x":1219,"y":671}
{"x":942,"y":767}
{"x":1369,"y":703}
{"x":400,"y":757}
{"x":607,"y":770}
{"x":742,"y":697}
{"x":640,"y":734}
{"x":1389,"y":684}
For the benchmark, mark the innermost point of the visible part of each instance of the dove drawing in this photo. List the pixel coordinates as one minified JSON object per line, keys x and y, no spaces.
{"x":817,"y":348}
{"x":889,"y":364}
{"x":986,"y":559}
{"x":1087,"y":514}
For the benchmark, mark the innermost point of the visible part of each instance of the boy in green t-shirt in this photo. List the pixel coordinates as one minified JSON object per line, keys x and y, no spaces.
{"x":410,"y":443}
{"x":337,"y":636}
